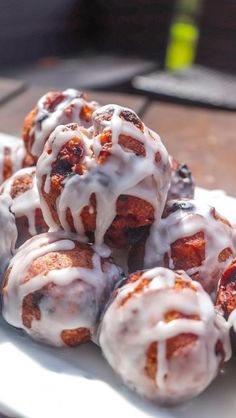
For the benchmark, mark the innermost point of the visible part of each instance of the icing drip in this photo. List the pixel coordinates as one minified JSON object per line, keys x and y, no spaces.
{"x":123,"y":172}
{"x":67,"y":110}
{"x":26,"y":203}
{"x":16,"y":149}
{"x":80,"y":303}
{"x":134,"y":321}
{"x":185,"y":223}
{"x":8,"y":232}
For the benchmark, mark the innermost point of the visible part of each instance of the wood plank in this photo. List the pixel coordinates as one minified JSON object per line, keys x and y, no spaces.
{"x":137,"y":103}
{"x":10,"y":88}
{"x":13,"y":112}
{"x":204,"y":139}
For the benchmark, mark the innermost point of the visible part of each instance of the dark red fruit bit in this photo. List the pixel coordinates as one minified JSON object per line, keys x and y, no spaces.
{"x":62,"y":167}
{"x":219,"y":351}
{"x":107,"y":115}
{"x":53,"y":100}
{"x":188,"y":206}
{"x":123,"y":197}
{"x":184,"y":172}
{"x":135,"y":234}
{"x":174,"y":205}
{"x":72,"y":126}
{"x":132,"y":118}
{"x":231,"y":278}
{"x":77,"y":150}
{"x":158,"y":157}
{"x":36,"y":299}
{"x":226,"y":296}
{"x":229,"y":274}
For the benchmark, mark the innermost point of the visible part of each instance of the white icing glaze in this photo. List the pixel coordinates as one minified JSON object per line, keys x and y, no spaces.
{"x":17,"y":152}
{"x":128,"y":329}
{"x":8,"y":232}
{"x":47,"y":121}
{"x":224,"y":204}
{"x":75,"y":301}
{"x":26,"y":203}
{"x":185,"y":223}
{"x":124,"y":172}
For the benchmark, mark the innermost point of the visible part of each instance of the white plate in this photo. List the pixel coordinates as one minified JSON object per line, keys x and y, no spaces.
{"x":44,"y":382}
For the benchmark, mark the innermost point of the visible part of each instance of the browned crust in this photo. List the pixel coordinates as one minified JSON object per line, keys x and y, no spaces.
{"x":74,"y":337}
{"x":132,"y":212}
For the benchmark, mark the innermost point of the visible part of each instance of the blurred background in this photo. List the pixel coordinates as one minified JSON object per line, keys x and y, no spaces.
{"x":175,"y":50}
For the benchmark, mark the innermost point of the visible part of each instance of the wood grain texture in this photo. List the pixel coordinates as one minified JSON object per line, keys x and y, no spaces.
{"x":12,"y":113}
{"x":204,"y":139}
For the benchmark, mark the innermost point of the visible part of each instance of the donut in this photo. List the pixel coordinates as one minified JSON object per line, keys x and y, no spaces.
{"x":23,"y":190}
{"x":56,"y":287}
{"x":109,"y":182}
{"x":226,"y":299}
{"x":8,"y":232}
{"x":53,"y":109}
{"x":192,"y":237}
{"x":182,"y":184}
{"x":13,"y":156}
{"x":161,"y":334}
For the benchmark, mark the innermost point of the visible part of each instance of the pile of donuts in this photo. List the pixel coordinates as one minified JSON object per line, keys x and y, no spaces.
{"x":102,"y":240}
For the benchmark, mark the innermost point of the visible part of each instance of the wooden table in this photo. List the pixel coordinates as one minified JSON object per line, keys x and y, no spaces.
{"x":205,"y":139}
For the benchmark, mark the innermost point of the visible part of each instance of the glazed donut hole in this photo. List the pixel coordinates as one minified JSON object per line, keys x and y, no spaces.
{"x":192,"y":237}
{"x":22,"y":188}
{"x":8,"y":232}
{"x":56,"y":287}
{"x":109,"y":182}
{"x":226,"y":299}
{"x":53,"y":109}
{"x":103,"y":183}
{"x":160,"y":333}
{"x":13,"y":156}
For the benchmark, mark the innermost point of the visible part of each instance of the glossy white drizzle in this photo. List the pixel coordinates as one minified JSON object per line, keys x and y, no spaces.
{"x":124,"y":172}
{"x":47,"y":121}
{"x":25,"y":204}
{"x":8,"y":232}
{"x":17,"y":154}
{"x":185,"y":223}
{"x":128,"y":330}
{"x":82,"y":299}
